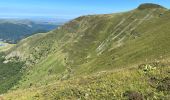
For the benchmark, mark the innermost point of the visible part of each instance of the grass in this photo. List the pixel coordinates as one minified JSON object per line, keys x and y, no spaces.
{"x":62,"y":64}
{"x":126,"y":83}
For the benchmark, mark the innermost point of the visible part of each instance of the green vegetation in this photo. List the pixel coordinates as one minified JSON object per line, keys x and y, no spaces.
{"x":112,"y":56}
{"x":14,"y":30}
{"x":10,"y":74}
{"x":133,"y":83}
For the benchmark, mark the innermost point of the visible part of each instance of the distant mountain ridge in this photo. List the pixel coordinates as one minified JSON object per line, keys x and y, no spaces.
{"x":13,"y":30}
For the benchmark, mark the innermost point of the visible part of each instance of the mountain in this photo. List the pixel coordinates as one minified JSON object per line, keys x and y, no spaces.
{"x":112,"y":56}
{"x":13,"y":30}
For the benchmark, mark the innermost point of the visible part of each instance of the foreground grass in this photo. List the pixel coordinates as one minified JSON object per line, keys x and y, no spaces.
{"x":148,"y":81}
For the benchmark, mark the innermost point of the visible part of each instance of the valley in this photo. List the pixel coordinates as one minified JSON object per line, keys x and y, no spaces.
{"x":118,"y":56}
{"x":5,"y":46}
{"x":13,"y":30}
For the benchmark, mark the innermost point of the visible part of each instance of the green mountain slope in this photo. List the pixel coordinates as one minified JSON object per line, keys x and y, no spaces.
{"x":10,"y":73}
{"x":124,"y":84}
{"x":92,"y":44}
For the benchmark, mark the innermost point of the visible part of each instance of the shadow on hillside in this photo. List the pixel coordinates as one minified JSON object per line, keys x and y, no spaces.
{"x":10,"y":74}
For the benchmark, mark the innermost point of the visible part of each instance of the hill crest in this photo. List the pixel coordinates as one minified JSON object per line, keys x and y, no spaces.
{"x":149,"y":6}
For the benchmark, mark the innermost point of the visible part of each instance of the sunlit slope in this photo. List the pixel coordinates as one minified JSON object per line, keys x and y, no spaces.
{"x":94,"y":43}
{"x":92,"y":55}
{"x":136,"y":83}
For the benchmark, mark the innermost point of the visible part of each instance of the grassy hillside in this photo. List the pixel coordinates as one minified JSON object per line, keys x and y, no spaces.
{"x":132,"y":84}
{"x":59,"y":61}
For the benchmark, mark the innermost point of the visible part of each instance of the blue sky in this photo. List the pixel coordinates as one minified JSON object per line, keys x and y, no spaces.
{"x":67,"y":9}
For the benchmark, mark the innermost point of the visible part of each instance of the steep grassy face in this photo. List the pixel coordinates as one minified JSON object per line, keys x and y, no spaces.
{"x":96,"y":42}
{"x":91,"y":44}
